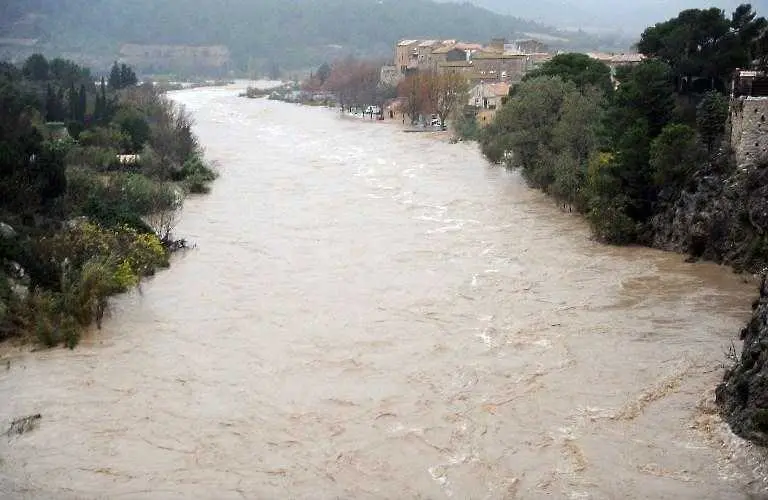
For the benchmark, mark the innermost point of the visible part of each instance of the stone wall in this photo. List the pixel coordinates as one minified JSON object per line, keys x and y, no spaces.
{"x":749,"y":130}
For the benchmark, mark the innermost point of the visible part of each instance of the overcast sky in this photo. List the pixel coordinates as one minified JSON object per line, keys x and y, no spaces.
{"x":619,"y":15}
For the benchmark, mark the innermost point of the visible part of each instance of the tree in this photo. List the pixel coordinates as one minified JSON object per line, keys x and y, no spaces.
{"x":127,"y":77}
{"x":72,"y":102}
{"x":115,"y":81}
{"x":704,"y":43}
{"x":323,"y":72}
{"x":673,"y":155}
{"x":524,"y":126}
{"x":575,"y":139}
{"x":413,"y":90}
{"x":82,"y":105}
{"x":121,"y":77}
{"x":135,"y":127}
{"x":711,"y":114}
{"x":445,"y":91}
{"x":577,"y":68}
{"x":54,"y":105}
{"x":354,"y":82}
{"x":68,"y":73}
{"x":646,"y":91}
{"x":36,"y":68}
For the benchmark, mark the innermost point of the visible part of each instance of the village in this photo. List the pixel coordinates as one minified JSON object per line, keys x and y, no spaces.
{"x":483,"y":74}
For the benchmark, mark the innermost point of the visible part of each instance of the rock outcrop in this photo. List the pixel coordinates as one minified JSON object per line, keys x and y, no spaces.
{"x":743,"y":395}
{"x":722,"y":217}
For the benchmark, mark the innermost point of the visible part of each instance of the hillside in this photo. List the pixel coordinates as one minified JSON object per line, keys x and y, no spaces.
{"x":294,"y":33}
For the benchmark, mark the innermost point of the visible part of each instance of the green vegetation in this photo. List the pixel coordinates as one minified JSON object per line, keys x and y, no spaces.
{"x":622,"y":155}
{"x":91,"y":180}
{"x":577,"y":68}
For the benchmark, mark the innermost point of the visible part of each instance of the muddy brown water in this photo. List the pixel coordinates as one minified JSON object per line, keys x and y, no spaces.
{"x":373,"y":314}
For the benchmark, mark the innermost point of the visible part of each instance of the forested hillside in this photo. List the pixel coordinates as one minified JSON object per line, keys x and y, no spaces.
{"x":296,"y":33}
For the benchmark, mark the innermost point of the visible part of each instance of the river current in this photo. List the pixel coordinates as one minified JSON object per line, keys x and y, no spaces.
{"x":374,"y":314}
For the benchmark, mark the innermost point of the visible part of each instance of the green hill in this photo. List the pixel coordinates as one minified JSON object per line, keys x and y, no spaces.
{"x":295,"y":33}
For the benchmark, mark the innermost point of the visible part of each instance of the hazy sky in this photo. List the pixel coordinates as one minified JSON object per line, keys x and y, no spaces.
{"x":617,"y":15}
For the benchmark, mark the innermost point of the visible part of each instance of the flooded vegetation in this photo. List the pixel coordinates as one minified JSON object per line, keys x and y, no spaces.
{"x":376,"y":314}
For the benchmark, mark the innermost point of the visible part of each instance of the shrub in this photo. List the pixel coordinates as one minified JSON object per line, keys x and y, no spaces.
{"x":466,"y":126}
{"x":610,"y":222}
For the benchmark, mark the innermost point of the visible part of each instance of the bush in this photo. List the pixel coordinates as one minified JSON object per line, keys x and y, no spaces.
{"x":93,"y":264}
{"x":466,"y":126}
{"x":197,"y":185}
{"x":610,"y":223}
{"x":197,"y":168}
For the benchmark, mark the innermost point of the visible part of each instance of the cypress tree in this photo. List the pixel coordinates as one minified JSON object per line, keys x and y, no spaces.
{"x":127,"y":77}
{"x":82,"y":104}
{"x":73,"y":99}
{"x":50,"y":104}
{"x":114,"y":77}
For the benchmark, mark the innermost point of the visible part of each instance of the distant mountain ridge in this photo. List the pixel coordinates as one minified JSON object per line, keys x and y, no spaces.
{"x":607,"y":15}
{"x":294,"y":33}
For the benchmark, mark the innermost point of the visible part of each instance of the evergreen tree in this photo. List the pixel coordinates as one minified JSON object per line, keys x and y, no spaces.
{"x":82,"y":104}
{"x":711,"y":115}
{"x":73,"y":98}
{"x":50,"y":104}
{"x":323,"y":72}
{"x":115,"y":77}
{"x":127,"y":77}
{"x":36,"y":68}
{"x":100,"y":110}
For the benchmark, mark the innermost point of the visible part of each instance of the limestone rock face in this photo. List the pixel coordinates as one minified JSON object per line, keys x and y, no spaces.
{"x":722,"y":218}
{"x":743,"y":395}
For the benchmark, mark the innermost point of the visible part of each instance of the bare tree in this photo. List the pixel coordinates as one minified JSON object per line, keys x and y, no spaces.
{"x":167,"y":202}
{"x":413,"y":90}
{"x":445,"y":92}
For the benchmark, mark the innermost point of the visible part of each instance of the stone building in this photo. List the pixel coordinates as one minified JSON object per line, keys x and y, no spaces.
{"x":498,"y":61}
{"x":530,"y":46}
{"x":406,"y":55}
{"x":747,"y":118}
{"x":499,"y":66}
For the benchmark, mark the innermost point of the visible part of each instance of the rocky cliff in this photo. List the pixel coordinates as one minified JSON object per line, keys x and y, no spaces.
{"x":722,"y":215}
{"x":743,"y":395}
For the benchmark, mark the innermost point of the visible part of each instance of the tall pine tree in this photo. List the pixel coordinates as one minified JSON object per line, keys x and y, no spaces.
{"x":115,"y":77}
{"x":82,"y":104}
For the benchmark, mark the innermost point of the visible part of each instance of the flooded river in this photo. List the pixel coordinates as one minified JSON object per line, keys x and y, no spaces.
{"x":373,"y":314}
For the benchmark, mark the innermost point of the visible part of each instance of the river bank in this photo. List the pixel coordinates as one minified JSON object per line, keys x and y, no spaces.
{"x":410,"y":322}
{"x":93,"y":179}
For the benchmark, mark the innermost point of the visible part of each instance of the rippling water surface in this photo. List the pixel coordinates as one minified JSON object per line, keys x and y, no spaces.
{"x":373,"y":314}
